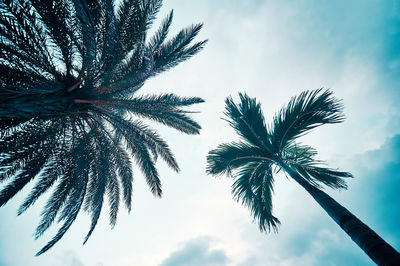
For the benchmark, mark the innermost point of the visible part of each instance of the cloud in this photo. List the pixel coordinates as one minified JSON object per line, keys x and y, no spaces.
{"x":377,"y":185}
{"x":196,"y":252}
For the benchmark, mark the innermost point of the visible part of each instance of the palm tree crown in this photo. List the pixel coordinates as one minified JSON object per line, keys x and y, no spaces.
{"x":262,"y":148}
{"x":69,"y":71}
{"x":252,"y":161}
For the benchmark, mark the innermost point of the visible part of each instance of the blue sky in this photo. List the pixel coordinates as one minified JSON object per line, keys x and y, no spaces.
{"x":272,"y":50}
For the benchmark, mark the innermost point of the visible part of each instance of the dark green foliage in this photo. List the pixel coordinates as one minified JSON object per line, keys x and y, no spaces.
{"x":308,"y":110}
{"x":69,"y":71}
{"x":251,"y":162}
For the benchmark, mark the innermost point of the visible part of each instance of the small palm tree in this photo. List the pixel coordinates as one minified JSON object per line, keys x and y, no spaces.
{"x":264,"y":149}
{"x":69,"y":71}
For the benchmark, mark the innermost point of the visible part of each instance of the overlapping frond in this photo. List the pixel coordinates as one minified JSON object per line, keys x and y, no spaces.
{"x":161,"y":34}
{"x":253,"y":187}
{"x":251,"y":169}
{"x":68,"y":73}
{"x":302,"y":159}
{"x":178,"y":49}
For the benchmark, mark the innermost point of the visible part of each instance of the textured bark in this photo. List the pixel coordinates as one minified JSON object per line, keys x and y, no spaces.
{"x":369,"y":241}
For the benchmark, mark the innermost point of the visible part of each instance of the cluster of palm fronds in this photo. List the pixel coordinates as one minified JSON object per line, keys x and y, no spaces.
{"x":68,"y":73}
{"x":252,"y":160}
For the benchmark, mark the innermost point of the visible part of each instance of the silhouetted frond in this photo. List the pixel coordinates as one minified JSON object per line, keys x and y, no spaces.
{"x":253,"y":187}
{"x":177,"y":49}
{"x":228,"y":157}
{"x":308,"y":110}
{"x":43,"y":184}
{"x":160,"y":36}
{"x":301,"y":159}
{"x":248,"y":121}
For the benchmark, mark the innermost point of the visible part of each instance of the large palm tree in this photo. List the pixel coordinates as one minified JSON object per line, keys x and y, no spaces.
{"x":69,"y":75}
{"x":264,"y":150}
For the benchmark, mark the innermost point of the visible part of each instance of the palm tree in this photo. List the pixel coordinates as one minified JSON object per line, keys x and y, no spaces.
{"x":69,"y":73}
{"x":264,"y":150}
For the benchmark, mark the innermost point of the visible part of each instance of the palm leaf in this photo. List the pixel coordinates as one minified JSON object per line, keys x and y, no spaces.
{"x":253,"y":187}
{"x":248,"y":121}
{"x":228,"y":157}
{"x":308,"y":110}
{"x":302,"y":159}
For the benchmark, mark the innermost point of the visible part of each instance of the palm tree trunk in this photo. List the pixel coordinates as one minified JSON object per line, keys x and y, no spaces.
{"x":369,"y":241}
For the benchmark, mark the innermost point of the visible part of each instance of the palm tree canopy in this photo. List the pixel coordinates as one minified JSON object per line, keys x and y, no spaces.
{"x":257,"y":156}
{"x":69,"y":71}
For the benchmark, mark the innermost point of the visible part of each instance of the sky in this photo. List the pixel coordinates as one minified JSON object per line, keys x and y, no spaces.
{"x":272,"y":50}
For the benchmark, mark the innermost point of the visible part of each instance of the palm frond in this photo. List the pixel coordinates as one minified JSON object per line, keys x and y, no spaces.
{"x":29,"y":171}
{"x":228,"y":157}
{"x":248,"y":121}
{"x":73,"y":205}
{"x":148,"y":137}
{"x":302,"y":160}
{"x":125,"y":174}
{"x":145,"y":162}
{"x":55,"y":202}
{"x":161,"y":34}
{"x":163,"y":109}
{"x":97,"y":187}
{"x":177,"y":49}
{"x":308,"y":110}
{"x":253,"y":187}
{"x":43,"y":184}
{"x":135,"y":17}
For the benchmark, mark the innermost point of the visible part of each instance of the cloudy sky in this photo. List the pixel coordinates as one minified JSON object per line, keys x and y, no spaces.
{"x":272,"y":49}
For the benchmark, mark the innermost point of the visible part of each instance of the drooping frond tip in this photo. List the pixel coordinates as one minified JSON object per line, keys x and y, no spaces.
{"x":253,"y":188}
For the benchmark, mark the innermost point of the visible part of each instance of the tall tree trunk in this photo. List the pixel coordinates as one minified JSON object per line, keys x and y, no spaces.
{"x":369,"y":241}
